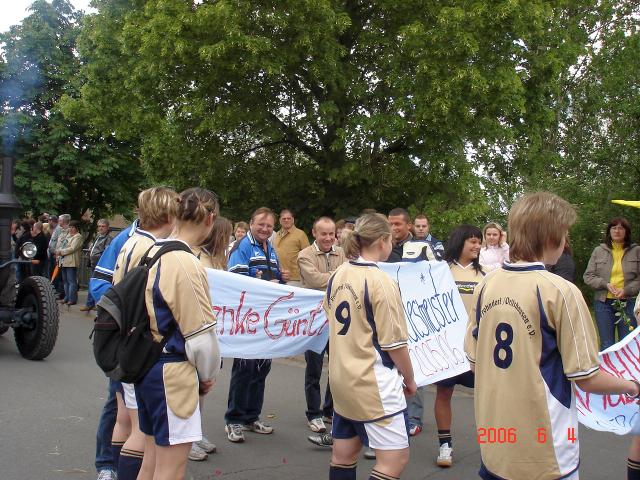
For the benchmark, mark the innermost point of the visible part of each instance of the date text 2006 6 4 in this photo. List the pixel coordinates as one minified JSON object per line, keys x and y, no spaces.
{"x":510,"y":435}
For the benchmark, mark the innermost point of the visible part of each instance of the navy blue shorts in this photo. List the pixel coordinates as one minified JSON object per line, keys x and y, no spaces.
{"x":169,"y":403}
{"x":465,"y":379}
{"x":390,"y":433}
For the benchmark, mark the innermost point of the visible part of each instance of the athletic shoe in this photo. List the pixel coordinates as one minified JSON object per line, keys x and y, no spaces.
{"x":370,"y":454}
{"x":321,"y":439}
{"x":235,"y":432}
{"x":415,"y":430}
{"x":327,"y":419}
{"x":206,"y":445}
{"x":445,"y":457}
{"x":258,"y":427}
{"x":317,"y":425}
{"x":85,"y":308}
{"x":196,"y":453}
{"x":107,"y":475}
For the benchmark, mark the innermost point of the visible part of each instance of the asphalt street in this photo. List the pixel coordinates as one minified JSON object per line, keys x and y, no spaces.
{"x":49,"y":411}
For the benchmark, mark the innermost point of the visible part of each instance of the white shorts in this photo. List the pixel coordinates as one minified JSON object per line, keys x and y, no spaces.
{"x":129,"y":396}
{"x":391,"y":433}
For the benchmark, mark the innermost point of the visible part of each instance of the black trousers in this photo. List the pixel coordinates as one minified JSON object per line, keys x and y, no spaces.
{"x":312,"y":374}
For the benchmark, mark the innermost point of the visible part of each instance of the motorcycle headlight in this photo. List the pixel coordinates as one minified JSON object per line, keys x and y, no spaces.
{"x":29,"y":250}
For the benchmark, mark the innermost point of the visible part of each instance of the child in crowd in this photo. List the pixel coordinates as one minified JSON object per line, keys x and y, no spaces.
{"x":462,"y":254}
{"x":179,"y":305}
{"x":529,"y":336}
{"x":369,"y":367}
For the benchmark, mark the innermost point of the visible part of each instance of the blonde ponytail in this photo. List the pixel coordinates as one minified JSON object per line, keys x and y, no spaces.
{"x":369,"y":229}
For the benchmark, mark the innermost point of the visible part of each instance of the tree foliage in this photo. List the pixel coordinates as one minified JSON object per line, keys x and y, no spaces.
{"x":330,"y":106}
{"x":61,"y":164}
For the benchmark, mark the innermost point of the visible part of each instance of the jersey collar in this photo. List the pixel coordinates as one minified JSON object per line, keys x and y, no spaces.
{"x":144,"y":233}
{"x":523,"y":266}
{"x":361,"y":262}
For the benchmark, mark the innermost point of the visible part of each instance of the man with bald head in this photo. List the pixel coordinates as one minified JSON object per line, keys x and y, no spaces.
{"x":317,"y":263}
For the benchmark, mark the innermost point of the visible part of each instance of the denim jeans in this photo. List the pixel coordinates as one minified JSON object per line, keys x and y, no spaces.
{"x":606,"y":321}
{"x":70,"y":279}
{"x":104,"y":452}
{"x":246,"y":390}
{"x":312,"y":374}
{"x":90,"y":300}
{"x":415,"y":408}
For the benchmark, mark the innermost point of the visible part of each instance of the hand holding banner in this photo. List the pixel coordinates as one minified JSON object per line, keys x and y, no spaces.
{"x":614,"y":413}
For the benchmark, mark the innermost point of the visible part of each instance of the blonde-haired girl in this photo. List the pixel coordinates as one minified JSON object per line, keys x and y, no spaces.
{"x":495,"y":249}
{"x":368,"y":344}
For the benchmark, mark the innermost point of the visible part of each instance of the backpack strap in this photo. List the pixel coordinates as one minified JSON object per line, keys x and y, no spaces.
{"x":166,"y":247}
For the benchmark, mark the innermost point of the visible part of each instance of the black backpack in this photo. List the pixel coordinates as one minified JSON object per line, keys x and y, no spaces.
{"x":122,"y":341}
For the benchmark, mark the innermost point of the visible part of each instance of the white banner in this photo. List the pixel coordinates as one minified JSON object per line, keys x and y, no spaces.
{"x":260,"y":319}
{"x":436,"y":319}
{"x":614,"y":413}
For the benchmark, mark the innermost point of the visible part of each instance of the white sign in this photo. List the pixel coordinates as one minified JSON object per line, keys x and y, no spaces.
{"x":614,"y":413}
{"x":260,"y":319}
{"x":436,"y":319}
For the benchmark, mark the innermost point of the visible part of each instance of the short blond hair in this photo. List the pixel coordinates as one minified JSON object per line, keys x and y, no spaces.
{"x":537,"y":221}
{"x":369,"y":229}
{"x":157,"y":206}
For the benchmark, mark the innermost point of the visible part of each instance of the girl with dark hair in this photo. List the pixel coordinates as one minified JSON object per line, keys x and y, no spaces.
{"x":614,"y":273}
{"x":463,"y":255}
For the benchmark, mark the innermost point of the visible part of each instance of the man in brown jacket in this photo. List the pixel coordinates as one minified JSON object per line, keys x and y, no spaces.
{"x":288,"y":242}
{"x":317,"y":263}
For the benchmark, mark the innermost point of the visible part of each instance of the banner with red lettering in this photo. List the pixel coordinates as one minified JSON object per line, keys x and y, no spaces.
{"x":261,"y":319}
{"x":614,"y":413}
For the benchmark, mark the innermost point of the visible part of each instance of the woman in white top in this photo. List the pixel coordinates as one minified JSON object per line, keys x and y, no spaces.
{"x":495,"y":249}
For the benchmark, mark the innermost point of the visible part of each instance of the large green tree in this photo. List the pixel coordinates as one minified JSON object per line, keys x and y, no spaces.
{"x":598,"y":134}
{"x":326,"y":106}
{"x":61,"y":163}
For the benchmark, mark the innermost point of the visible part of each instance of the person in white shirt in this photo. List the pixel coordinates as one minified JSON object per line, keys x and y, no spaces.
{"x":495,"y":249}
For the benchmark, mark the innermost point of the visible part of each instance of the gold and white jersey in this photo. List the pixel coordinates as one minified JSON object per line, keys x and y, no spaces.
{"x":529,"y":335}
{"x":132,"y":252}
{"x":466,"y":279}
{"x":178,"y":291}
{"x":366,"y":320}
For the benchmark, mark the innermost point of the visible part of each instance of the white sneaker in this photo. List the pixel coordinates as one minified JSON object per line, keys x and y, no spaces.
{"x":317,"y":425}
{"x":234,"y":432}
{"x":196,"y":453}
{"x":107,"y":475}
{"x":206,"y":445}
{"x":445,"y":458}
{"x":258,"y":427}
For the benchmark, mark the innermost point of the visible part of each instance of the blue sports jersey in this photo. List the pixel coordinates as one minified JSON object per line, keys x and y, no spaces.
{"x":103,"y":274}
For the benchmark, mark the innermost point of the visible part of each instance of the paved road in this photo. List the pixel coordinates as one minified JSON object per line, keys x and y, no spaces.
{"x":49,"y":412}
